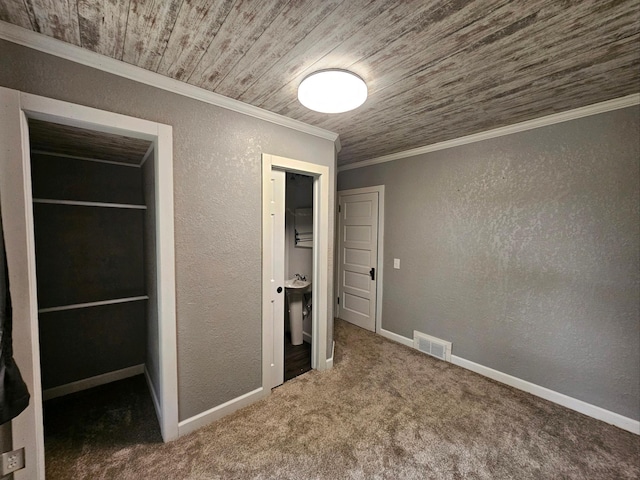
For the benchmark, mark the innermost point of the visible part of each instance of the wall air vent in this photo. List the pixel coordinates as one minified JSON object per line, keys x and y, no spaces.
{"x":432,"y":346}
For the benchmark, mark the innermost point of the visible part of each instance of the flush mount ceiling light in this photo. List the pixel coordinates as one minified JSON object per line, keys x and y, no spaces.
{"x":332,"y":91}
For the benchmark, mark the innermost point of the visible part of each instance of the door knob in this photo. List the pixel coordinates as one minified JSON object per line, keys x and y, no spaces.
{"x":279,"y":290}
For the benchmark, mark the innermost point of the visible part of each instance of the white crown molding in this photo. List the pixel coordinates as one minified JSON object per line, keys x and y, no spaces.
{"x":52,"y":46}
{"x":596,"y":108}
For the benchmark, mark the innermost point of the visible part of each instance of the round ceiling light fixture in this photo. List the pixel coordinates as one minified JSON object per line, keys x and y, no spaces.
{"x":332,"y":91}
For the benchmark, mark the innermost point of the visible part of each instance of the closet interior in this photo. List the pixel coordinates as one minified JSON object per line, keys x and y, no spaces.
{"x":94,"y":225}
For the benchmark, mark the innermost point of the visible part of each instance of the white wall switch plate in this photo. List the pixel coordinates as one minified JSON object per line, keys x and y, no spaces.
{"x":396,"y":263}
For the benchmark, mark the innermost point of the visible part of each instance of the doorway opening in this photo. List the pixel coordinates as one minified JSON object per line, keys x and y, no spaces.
{"x":313,"y":244}
{"x":298,"y":267}
{"x":51,"y":195}
{"x":93,"y":203}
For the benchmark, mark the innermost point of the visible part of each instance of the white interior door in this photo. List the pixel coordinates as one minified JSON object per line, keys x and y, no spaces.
{"x":276,"y":275}
{"x":358,"y":246}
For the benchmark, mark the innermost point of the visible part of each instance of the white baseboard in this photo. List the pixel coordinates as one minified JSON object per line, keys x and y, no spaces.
{"x":191,"y":424}
{"x":154,"y":395}
{"x":306,"y":337}
{"x":585,"y":408}
{"x":580,"y":406}
{"x":330,"y":359}
{"x":396,"y":338}
{"x":91,"y":382}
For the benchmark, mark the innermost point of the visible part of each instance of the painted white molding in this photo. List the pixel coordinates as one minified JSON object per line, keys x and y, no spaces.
{"x":321,"y":266}
{"x":580,"y":406}
{"x":58,"y":48}
{"x":330,"y":359}
{"x":396,"y":338}
{"x":596,"y":108}
{"x":16,"y":107}
{"x":205,"y":418}
{"x":154,"y":396}
{"x":571,"y":403}
{"x":91,"y":382}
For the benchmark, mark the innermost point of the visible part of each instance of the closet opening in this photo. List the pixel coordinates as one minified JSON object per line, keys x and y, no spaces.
{"x":93,"y":197}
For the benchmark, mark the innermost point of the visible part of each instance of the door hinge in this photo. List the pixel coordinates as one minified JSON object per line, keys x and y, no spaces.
{"x":338,"y":300}
{"x":339,"y":208}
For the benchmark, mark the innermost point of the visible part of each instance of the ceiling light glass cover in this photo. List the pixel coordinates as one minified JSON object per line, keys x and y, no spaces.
{"x":332,"y":91}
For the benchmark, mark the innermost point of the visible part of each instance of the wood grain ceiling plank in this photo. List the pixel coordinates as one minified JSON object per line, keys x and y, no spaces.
{"x":149,"y":26}
{"x":15,"y":12}
{"x":457,"y":120}
{"x":396,"y":66}
{"x":198,"y":23}
{"x":402,"y":28}
{"x":337,"y":27}
{"x":293,"y":24}
{"x":103,"y":26}
{"x":244,"y":24}
{"x":489,"y":69}
{"x":56,"y":18}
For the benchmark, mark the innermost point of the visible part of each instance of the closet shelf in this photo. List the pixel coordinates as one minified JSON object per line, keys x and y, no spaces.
{"x":92,"y":304}
{"x":88,"y":204}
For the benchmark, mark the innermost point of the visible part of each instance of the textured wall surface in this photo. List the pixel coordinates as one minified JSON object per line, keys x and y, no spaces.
{"x":524,"y":252}
{"x":218,"y":205}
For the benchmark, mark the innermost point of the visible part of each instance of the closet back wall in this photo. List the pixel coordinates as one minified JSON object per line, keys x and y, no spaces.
{"x":88,"y":254}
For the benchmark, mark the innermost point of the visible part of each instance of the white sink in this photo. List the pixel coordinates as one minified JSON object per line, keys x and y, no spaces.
{"x":296,"y":289}
{"x":297,"y":286}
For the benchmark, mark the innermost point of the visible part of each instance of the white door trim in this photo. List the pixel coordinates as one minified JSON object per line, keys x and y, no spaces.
{"x":320,"y":281}
{"x":17,"y":214}
{"x":380,"y":260}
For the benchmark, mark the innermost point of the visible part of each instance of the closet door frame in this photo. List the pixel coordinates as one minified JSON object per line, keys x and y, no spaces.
{"x":17,"y":214}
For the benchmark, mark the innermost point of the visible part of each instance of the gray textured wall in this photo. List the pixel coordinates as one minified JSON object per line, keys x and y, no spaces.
{"x":524,"y":252}
{"x":218,"y":204}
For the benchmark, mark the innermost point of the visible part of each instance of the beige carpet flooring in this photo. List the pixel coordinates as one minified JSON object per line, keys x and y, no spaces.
{"x":384,"y":412}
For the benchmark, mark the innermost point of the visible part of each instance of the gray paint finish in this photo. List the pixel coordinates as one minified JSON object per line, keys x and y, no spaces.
{"x":217,"y":201}
{"x":524,"y":252}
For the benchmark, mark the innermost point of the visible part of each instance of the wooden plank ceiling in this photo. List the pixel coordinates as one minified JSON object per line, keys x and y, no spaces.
{"x":436,"y":69}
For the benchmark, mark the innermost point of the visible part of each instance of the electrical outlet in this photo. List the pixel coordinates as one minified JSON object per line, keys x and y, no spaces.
{"x":12,"y":461}
{"x":396,"y":263}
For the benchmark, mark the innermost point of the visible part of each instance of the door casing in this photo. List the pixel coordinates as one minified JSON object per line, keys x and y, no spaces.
{"x":17,"y":214}
{"x":321,"y":216}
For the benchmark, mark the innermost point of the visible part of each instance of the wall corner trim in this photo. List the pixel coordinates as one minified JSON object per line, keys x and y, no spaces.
{"x":596,"y":108}
{"x":197,"y":421}
{"x":330,"y":359}
{"x":558,"y":398}
{"x":74,"y":53}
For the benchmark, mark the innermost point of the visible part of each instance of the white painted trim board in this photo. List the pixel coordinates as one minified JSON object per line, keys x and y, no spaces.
{"x":596,"y":108}
{"x":205,"y":418}
{"x":330,"y":359}
{"x":571,"y":403}
{"x":58,"y":48}
{"x":154,"y":395}
{"x":87,"y":383}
